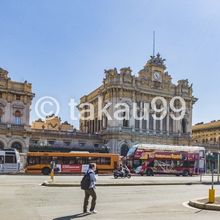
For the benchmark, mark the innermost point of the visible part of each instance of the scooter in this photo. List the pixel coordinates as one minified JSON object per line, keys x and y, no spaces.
{"x":121,"y":174}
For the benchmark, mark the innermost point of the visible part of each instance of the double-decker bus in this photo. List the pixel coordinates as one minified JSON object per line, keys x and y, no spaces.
{"x":72,"y":162}
{"x":9,"y":161}
{"x":152,"y":159}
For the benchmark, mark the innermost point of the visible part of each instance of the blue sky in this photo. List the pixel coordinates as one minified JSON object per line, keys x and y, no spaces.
{"x":63,"y":47}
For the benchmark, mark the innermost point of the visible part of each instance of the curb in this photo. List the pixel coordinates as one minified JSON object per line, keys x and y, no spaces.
{"x":205,"y":206}
{"x":48,"y":184}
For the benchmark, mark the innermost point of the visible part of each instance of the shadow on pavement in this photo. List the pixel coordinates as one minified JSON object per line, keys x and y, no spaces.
{"x":81,"y":215}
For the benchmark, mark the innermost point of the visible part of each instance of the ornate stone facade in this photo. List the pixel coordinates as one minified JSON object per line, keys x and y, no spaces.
{"x":53,"y":133}
{"x":52,"y":123}
{"x":15,"y":102}
{"x":207,"y":135}
{"x":15,"y":129}
{"x":124,"y":87}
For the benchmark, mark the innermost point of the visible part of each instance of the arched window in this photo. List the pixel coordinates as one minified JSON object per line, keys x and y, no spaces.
{"x":151,"y":122}
{"x":17,"y":117}
{"x":171,"y":125}
{"x":1,"y":115}
{"x":184,"y":126}
{"x":17,"y":146}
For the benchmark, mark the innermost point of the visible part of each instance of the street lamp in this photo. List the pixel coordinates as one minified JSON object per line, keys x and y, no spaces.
{"x":218,"y":179}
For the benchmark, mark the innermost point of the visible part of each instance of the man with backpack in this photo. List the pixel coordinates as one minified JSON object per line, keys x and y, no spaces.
{"x":88,"y":185}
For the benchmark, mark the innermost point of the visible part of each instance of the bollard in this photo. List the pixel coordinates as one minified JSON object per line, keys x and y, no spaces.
{"x":52,"y":175}
{"x":211,"y":196}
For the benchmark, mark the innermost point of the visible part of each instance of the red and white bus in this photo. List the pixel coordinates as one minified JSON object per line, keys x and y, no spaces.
{"x":152,"y":159}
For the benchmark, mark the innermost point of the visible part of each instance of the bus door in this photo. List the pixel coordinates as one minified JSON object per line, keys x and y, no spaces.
{"x":1,"y":163}
{"x":11,"y":164}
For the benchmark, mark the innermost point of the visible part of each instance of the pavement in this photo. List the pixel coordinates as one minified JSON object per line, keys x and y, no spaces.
{"x":74,"y":181}
{"x":204,"y":204}
{"x":23,"y":197}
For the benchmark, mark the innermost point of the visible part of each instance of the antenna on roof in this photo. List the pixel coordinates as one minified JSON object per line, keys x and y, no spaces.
{"x":153,"y":43}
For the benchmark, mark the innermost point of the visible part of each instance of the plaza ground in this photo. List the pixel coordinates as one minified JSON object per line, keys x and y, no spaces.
{"x":22,"y":197}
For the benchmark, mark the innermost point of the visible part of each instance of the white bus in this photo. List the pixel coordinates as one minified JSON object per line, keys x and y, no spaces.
{"x":9,"y":161}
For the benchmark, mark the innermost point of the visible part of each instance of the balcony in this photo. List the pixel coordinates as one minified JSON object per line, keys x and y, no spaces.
{"x":5,"y":126}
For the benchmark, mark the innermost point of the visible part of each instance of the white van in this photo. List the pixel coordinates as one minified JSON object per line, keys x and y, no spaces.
{"x":9,"y":161}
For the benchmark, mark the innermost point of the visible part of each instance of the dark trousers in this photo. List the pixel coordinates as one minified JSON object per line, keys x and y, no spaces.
{"x":88,"y":193}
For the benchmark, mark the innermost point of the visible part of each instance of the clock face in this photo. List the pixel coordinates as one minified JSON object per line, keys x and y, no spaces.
{"x":157,"y":76}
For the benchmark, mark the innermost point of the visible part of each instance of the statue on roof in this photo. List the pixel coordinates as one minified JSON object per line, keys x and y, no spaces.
{"x":157,"y":61}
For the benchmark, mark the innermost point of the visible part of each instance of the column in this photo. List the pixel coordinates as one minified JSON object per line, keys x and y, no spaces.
{"x":168,"y":121}
{"x":154,"y":126}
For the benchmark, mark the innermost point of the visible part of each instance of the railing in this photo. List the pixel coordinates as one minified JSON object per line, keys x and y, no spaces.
{"x":12,"y":126}
{"x":67,"y":134}
{"x":117,"y":129}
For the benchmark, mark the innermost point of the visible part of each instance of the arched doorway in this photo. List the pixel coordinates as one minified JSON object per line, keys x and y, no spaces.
{"x":124,"y":150}
{"x":1,"y":145}
{"x":17,"y":146}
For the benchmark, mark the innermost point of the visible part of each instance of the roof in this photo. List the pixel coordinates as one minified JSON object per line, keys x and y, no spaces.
{"x":206,"y":126}
{"x":170,"y":147}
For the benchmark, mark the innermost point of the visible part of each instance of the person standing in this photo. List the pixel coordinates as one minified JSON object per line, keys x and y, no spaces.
{"x":91,"y":190}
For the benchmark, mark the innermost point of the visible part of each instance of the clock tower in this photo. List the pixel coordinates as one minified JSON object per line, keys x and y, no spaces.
{"x":154,"y":69}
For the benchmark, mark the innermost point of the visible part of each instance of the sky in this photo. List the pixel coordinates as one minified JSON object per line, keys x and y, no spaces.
{"x":63,"y":47}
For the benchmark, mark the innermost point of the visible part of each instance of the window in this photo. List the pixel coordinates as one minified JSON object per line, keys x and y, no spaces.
{"x":51,"y":143}
{"x":151,"y":122}
{"x":10,"y":159}
{"x":67,"y":143}
{"x":46,"y":160}
{"x":1,"y":115}
{"x":17,"y":146}
{"x":18,"y":97}
{"x":125,"y":121}
{"x":105,"y":160}
{"x":33,"y":160}
{"x":17,"y":117}
{"x":1,"y":159}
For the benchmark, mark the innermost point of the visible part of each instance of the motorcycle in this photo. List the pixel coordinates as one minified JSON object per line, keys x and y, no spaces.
{"x":121,"y":174}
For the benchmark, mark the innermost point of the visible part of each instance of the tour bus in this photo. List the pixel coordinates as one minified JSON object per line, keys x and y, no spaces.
{"x":72,"y":162}
{"x":149,"y":159}
{"x":9,"y":161}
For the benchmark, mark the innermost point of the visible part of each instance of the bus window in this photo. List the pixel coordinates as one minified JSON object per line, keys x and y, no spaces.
{"x":84,"y":160}
{"x":10,"y":159}
{"x":33,"y":160}
{"x":46,"y":160}
{"x":78,"y":160}
{"x":105,"y":161}
{"x":94,"y":160}
{"x":66,"y":160}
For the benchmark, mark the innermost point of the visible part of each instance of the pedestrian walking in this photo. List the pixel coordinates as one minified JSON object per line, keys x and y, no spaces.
{"x":88,"y":185}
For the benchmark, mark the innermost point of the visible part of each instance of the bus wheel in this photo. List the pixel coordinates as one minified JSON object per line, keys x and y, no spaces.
{"x":149,"y":173}
{"x":46,"y":171}
{"x":185,"y":173}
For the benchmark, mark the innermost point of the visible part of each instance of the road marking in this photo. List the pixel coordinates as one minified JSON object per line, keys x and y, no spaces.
{"x":186,"y":204}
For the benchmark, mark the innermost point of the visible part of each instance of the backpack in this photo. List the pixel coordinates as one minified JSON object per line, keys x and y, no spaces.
{"x":85,"y":182}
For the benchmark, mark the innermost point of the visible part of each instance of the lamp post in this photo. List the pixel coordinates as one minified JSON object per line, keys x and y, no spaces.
{"x":218,"y":169}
